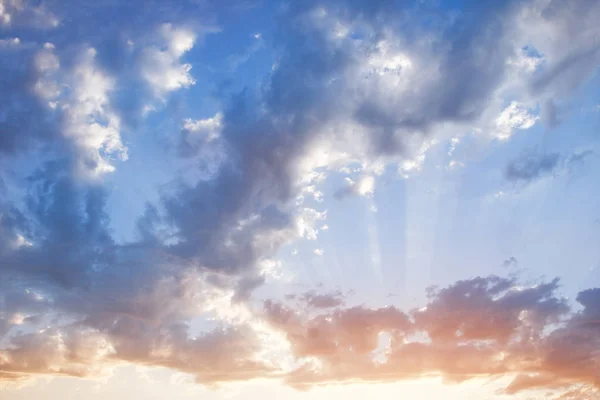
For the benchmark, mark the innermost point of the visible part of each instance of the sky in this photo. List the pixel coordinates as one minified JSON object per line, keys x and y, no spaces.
{"x":242,"y":199}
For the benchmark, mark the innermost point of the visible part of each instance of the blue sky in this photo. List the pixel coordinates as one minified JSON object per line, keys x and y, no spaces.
{"x":317,"y":198}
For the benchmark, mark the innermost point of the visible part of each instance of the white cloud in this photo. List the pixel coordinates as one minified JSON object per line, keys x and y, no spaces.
{"x":515,"y":116}
{"x":4,"y":15}
{"x":90,"y":122}
{"x":455,"y":164}
{"x":47,"y":64}
{"x":21,"y":241}
{"x":388,"y":60}
{"x":161,"y":68}
{"x":13,"y":42}
{"x":203,"y":130}
{"x":178,"y":40}
{"x":365,"y":186}
{"x":525,"y":62}
{"x":78,"y":103}
{"x":306,"y":221}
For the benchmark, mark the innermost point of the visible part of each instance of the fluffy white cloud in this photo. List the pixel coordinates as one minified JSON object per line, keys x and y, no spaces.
{"x":161,"y":66}
{"x":514,"y":116}
{"x":90,"y":122}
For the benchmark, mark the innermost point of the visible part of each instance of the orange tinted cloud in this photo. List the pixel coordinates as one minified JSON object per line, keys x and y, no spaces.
{"x":483,"y":327}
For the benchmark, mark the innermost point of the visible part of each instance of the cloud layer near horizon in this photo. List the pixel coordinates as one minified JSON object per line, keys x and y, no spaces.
{"x":354,"y":83}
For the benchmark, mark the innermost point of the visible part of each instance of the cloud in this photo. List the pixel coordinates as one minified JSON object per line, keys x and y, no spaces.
{"x":320,"y":300}
{"x":341,"y":338}
{"x":80,"y":352}
{"x":317,"y":112}
{"x":579,"y":158}
{"x":474,"y":328}
{"x":89,"y":122}
{"x":565,"y":35}
{"x":513,"y":117}
{"x":496,"y":310}
{"x":74,"y":88}
{"x":161,"y":68}
{"x":14,"y":13}
{"x":529,"y":167}
{"x":26,"y":66}
{"x":481,"y":327}
{"x":511,"y":261}
{"x":196,"y":133}
{"x":349,"y":86}
{"x":365,"y":186}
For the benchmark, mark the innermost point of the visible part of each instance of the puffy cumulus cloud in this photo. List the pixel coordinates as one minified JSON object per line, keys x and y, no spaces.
{"x":132,"y":306}
{"x":90,"y":123}
{"x":73,"y":300}
{"x":570,"y":358}
{"x":160,"y":66}
{"x":499,"y":309}
{"x":135,"y":300}
{"x":513,"y":117}
{"x":340,"y":341}
{"x":73,"y":88}
{"x":67,"y":108}
{"x":482,"y":327}
{"x":53,"y":351}
{"x":220,"y":355}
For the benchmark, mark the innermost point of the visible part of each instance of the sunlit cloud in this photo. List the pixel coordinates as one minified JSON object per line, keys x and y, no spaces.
{"x":228,"y":191}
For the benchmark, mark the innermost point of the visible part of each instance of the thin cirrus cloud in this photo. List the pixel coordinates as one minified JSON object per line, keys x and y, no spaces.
{"x":353,"y":83}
